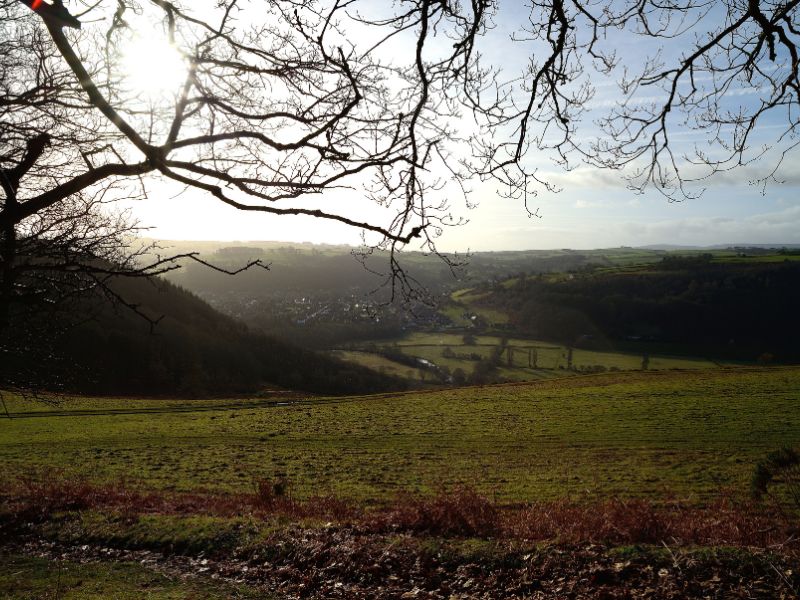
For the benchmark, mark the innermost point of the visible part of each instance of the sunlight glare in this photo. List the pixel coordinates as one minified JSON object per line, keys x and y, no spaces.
{"x":153,"y":67}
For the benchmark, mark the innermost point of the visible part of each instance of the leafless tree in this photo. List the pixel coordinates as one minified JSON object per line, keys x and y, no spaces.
{"x":268,"y":116}
{"x":60,"y":235}
{"x":284,"y":102}
{"x":719,"y":69}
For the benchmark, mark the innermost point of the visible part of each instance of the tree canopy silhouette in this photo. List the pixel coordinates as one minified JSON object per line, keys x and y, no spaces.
{"x":277,"y":105}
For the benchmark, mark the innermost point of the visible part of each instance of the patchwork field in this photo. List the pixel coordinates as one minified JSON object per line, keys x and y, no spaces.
{"x":520,"y":359}
{"x":684,"y":434}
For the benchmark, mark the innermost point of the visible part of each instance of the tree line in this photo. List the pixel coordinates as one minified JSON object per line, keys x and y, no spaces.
{"x":691,"y":306}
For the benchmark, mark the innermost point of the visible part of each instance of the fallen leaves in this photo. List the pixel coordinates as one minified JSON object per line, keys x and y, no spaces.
{"x":320,"y":563}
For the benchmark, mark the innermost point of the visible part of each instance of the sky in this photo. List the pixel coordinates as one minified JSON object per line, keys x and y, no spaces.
{"x":593,"y":210}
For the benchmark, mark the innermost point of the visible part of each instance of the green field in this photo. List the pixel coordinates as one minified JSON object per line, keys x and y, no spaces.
{"x":689,"y":434}
{"x":380,"y":364}
{"x":464,"y":307}
{"x":530,"y":360}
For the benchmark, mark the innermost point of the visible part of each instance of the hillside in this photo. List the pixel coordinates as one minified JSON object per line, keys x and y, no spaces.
{"x":321,"y":297}
{"x":697,"y":306}
{"x":95,"y":346}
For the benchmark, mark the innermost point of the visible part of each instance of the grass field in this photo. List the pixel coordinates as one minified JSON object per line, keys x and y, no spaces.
{"x":380,"y":364}
{"x":464,"y":306}
{"x":530,"y":359}
{"x":27,"y":578}
{"x":652,"y":435}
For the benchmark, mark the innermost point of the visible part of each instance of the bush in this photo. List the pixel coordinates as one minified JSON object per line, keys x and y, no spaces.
{"x":460,"y":512}
{"x":271,"y":494}
{"x":469,"y":340}
{"x":780,"y":466}
{"x":459,"y":376}
{"x":766,"y":358}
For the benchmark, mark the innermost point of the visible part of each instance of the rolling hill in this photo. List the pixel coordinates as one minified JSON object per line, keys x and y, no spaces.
{"x":94,"y":346}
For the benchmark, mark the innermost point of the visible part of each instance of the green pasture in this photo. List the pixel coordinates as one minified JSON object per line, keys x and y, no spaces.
{"x":458,"y":314}
{"x":379,"y":363}
{"x":686,"y":434}
{"x":463,"y":307}
{"x":522,"y":360}
{"x":623,"y":257}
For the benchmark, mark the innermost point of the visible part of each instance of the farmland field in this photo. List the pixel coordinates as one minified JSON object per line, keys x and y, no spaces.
{"x":530,"y":360}
{"x":686,"y":434}
{"x":379,"y":363}
{"x":464,"y":306}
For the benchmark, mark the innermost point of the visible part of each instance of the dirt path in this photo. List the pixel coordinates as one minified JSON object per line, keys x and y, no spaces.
{"x":341,"y":563}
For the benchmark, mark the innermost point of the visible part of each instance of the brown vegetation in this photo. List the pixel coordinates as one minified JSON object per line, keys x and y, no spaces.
{"x":454,"y":544}
{"x":461,"y":512}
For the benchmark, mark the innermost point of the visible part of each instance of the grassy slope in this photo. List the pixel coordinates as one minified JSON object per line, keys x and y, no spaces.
{"x":688,"y":433}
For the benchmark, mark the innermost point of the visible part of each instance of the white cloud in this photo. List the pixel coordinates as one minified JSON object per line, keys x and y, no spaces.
{"x":773,"y":227}
{"x":583,"y":203}
{"x":599,"y":229}
{"x":586,"y":176}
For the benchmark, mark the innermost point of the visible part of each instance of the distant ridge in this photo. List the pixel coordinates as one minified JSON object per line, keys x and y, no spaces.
{"x":716,"y":246}
{"x":210,"y":246}
{"x":669,"y":247}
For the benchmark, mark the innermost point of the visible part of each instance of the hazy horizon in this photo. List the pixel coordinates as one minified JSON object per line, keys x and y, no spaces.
{"x":233,"y":242}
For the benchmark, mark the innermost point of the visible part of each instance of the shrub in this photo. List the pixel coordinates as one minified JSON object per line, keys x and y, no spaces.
{"x":460,"y":512}
{"x":780,"y":466}
{"x":273,"y":493}
{"x":765,"y":358}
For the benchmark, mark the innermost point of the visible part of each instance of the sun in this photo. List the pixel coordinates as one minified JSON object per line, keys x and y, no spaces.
{"x":152,"y":67}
